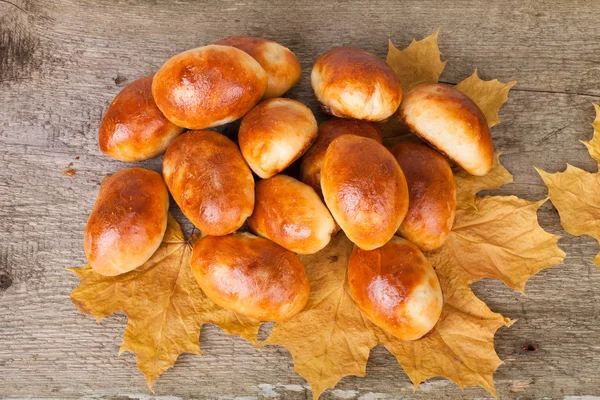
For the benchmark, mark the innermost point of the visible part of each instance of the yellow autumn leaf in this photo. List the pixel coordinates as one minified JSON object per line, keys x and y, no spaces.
{"x":593,"y":145}
{"x":330,"y":338}
{"x":419,"y":63}
{"x":467,"y":185}
{"x":488,"y":95}
{"x":164,"y":306}
{"x":576,"y":195}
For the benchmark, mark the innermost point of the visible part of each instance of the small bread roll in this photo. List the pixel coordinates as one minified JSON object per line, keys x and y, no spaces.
{"x":365,"y":190}
{"x":282,"y":66}
{"x":208,"y":86}
{"x":452,"y":123}
{"x":251,"y":276}
{"x":432,"y":195}
{"x":275,"y":134}
{"x":354,"y":83}
{"x":292,"y":215}
{"x":128,"y":221}
{"x":210,"y":181}
{"x":133,"y":128}
{"x":310,"y":168}
{"x":396,"y":288}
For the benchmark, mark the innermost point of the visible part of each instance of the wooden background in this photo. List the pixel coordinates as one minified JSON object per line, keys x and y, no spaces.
{"x":62,"y":61}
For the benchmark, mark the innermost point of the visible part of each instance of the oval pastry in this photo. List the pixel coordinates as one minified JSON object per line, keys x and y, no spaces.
{"x":292,"y":215}
{"x":128,"y":221}
{"x":275,"y":134}
{"x":210,"y":181}
{"x":251,"y":276}
{"x":133,"y":128}
{"x":208,"y":86}
{"x":364,"y":189}
{"x":452,"y":123}
{"x":310,"y":168}
{"x":282,"y":66}
{"x":354,"y":83}
{"x":432,"y":195}
{"x":396,"y":288}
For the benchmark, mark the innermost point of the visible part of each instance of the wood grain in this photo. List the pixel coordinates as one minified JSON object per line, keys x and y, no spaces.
{"x":62,"y":61}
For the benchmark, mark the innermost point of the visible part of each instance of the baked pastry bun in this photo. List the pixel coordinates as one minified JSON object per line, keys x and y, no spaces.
{"x":282,"y":66}
{"x":364,"y":189}
{"x":128,"y":221}
{"x":292,"y":215}
{"x":133,"y":128}
{"x":210,"y":181}
{"x":432,"y":195}
{"x":310,"y":167}
{"x":251,"y":276}
{"x":452,"y":123}
{"x":396,"y":288}
{"x":276,"y":133}
{"x":208,"y":86}
{"x":354,"y":83}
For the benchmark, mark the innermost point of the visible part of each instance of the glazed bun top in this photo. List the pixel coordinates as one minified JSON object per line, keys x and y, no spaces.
{"x":354,"y":83}
{"x":133,"y":128}
{"x":208,"y":86}
{"x":251,"y":276}
{"x":310,"y":168}
{"x":432,"y":193}
{"x":210,"y":181}
{"x":282,"y":66}
{"x":396,"y":288}
{"x":452,"y":123}
{"x":128,"y":221}
{"x":276,"y":133}
{"x":364,"y":189}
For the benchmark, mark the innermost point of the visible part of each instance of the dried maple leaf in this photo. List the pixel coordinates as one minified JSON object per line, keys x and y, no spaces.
{"x":593,"y":145}
{"x":467,"y":186}
{"x":488,"y":95}
{"x":330,"y":339}
{"x":164,"y":305}
{"x":419,"y":63}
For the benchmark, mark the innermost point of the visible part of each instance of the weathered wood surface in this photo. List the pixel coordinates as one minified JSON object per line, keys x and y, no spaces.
{"x":61,"y":62}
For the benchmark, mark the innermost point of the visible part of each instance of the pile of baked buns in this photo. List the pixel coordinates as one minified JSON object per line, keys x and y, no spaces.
{"x":392,"y":204}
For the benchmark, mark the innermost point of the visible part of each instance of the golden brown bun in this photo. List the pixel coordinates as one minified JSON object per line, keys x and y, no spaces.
{"x":133,"y":128}
{"x":251,"y":276}
{"x":128,"y":221}
{"x":452,"y":123}
{"x":291,"y":214}
{"x":310,"y":168}
{"x":396,"y":288}
{"x":282,"y":66}
{"x":432,"y":203}
{"x":365,"y":190}
{"x":208,"y":86}
{"x":354,"y":83}
{"x":210,"y":181}
{"x":275,"y":134}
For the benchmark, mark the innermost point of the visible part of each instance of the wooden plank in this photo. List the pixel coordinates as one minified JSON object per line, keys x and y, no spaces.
{"x":62,"y":61}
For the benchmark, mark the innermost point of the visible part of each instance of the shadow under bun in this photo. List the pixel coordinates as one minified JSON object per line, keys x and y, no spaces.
{"x":364,"y":189}
{"x":432,"y":193}
{"x":276,"y":133}
{"x":133,"y":128}
{"x":128,"y":221}
{"x":210,"y":181}
{"x":452,"y":123}
{"x":251,"y":276}
{"x":280,"y":63}
{"x":396,"y":288}
{"x":354,"y":83}
{"x":208,"y":86}
{"x":310,"y":168}
{"x":292,"y":215}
